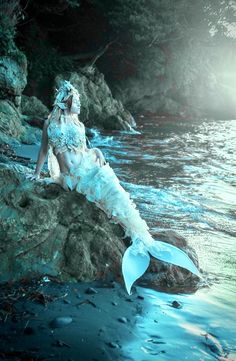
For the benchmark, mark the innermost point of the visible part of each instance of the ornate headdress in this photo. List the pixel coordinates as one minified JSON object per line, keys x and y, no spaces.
{"x":65,"y":91}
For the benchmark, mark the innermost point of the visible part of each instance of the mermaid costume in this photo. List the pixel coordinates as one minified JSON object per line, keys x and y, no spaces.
{"x":100,"y":185}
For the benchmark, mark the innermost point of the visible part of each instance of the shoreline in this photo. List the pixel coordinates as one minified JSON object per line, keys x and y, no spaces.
{"x":44,"y":319}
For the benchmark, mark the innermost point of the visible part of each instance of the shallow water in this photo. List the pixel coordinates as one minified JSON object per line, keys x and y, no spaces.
{"x":182,"y":175}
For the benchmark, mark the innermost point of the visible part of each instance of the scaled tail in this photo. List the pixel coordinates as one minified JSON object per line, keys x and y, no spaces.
{"x":134,"y":264}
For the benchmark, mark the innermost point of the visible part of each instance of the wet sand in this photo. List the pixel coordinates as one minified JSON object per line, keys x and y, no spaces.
{"x":96,"y":321}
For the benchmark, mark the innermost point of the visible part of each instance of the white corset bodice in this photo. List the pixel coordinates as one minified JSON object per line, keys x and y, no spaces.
{"x":66,"y":136}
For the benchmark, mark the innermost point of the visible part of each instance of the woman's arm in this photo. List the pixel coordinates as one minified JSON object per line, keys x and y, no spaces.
{"x":99,"y":157}
{"x":42,"y":152}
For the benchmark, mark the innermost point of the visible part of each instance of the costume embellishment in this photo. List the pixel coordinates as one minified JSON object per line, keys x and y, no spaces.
{"x":66,"y":136}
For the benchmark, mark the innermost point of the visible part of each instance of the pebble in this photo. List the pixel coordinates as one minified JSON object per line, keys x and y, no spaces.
{"x":213,"y":344}
{"x":114,"y":303}
{"x":29,"y":331}
{"x":122,"y":319}
{"x":67,"y":302}
{"x":140,"y":297}
{"x":60,"y":322}
{"x":176,"y":304}
{"x":113,"y":345}
{"x":91,"y":291}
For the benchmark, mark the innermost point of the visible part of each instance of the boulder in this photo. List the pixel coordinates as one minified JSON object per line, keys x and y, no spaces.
{"x":13,"y":77}
{"x":12,"y":128}
{"x":34,"y":111}
{"x":98,"y":107}
{"x":47,"y":230}
{"x":32,"y":106}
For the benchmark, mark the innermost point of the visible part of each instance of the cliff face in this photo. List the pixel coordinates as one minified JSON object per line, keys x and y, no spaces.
{"x":13,"y":79}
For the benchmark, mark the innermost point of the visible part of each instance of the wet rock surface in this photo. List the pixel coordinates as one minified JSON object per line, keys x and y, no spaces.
{"x":13,"y":129}
{"x":47,"y":230}
{"x":13,"y":77}
{"x":34,"y":111}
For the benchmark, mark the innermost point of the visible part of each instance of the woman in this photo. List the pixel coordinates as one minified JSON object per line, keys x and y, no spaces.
{"x":84,"y":170}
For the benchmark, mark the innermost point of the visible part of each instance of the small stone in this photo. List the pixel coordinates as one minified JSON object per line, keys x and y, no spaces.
{"x":114,"y":303}
{"x":129,"y":300}
{"x":113,"y":345}
{"x":140,"y":297}
{"x":91,"y":291}
{"x":29,"y":331}
{"x":67,"y":302}
{"x":176,"y":304}
{"x":122,"y":319}
{"x":102,"y":329}
{"x":113,"y":284}
{"x":60,"y":322}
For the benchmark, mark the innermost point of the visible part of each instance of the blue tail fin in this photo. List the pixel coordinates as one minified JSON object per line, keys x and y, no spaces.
{"x":135,"y":264}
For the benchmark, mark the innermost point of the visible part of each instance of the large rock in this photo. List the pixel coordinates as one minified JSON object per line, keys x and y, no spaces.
{"x":12,"y":128}
{"x":13,"y":77}
{"x":32,"y":106}
{"x":47,"y":230}
{"x":98,"y":107}
{"x":34,"y":111}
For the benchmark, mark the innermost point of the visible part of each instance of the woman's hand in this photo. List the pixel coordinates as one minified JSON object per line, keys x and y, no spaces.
{"x":99,"y":157}
{"x":34,"y":176}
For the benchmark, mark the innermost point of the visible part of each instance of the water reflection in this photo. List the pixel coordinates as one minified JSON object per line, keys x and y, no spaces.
{"x":196,"y":331}
{"x":182,"y":175}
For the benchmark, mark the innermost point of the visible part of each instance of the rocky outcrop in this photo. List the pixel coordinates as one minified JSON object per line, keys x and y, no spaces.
{"x":12,"y":127}
{"x":32,"y":106}
{"x":46,"y":230}
{"x":98,"y":107}
{"x":34,"y":111}
{"x":13,"y":78}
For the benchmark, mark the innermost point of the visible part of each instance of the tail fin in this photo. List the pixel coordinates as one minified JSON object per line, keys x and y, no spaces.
{"x":134,"y":264}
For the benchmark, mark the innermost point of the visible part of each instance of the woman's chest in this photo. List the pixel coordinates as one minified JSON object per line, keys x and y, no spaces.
{"x":69,"y":133}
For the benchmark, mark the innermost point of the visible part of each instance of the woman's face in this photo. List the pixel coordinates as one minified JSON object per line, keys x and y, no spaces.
{"x":74,"y":104}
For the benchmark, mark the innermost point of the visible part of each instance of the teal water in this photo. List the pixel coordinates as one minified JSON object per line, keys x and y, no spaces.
{"x":182,"y":176}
